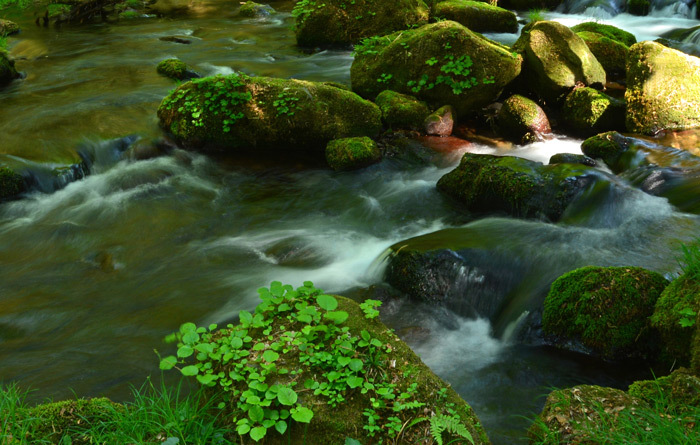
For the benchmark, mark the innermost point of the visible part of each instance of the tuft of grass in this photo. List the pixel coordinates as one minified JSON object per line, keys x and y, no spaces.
{"x":690,"y":260}
{"x":535,"y":15}
{"x":3,"y":43}
{"x":158,"y":414}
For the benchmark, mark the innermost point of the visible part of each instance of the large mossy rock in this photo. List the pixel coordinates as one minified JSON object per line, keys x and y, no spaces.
{"x":556,"y":60}
{"x":515,"y":186}
{"x":443,"y":63}
{"x":587,"y":111}
{"x":614,"y":149}
{"x":682,"y":294}
{"x":663,"y":89}
{"x":343,"y":22}
{"x":401,"y":111}
{"x":572,"y":415}
{"x":8,"y":73}
{"x":477,"y":16}
{"x":238,"y":113}
{"x":605,"y":309}
{"x":333,"y":365}
{"x":522,"y":120}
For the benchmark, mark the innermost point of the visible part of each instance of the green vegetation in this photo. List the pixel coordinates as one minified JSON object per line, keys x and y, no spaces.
{"x":352,"y":153}
{"x":296,"y":365}
{"x":173,"y":68}
{"x":158,"y":414}
{"x":535,"y":15}
{"x":649,"y":414}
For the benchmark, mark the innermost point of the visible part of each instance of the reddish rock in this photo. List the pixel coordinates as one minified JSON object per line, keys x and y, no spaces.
{"x":440,"y":123}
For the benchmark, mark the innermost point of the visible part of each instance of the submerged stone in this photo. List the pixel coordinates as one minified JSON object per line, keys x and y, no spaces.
{"x":175,"y":69}
{"x":477,"y":16}
{"x":240,"y":113}
{"x":7,"y":28}
{"x":663,"y":89}
{"x":252,"y":9}
{"x":442,"y":63}
{"x":605,"y":309}
{"x":556,"y":60}
{"x":343,"y":22}
{"x":570,"y":158}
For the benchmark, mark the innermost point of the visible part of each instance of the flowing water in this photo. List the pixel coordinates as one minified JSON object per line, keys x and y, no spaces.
{"x":94,"y":275}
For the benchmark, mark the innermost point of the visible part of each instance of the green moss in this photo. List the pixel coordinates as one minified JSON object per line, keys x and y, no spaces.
{"x":252,"y":9}
{"x":516,"y":186}
{"x":173,"y":68}
{"x":442,"y":63}
{"x":237,"y":112}
{"x":522,"y":120}
{"x":7,"y":69}
{"x":573,"y":415}
{"x":609,"y":31}
{"x":352,"y":153}
{"x":680,"y":390}
{"x":556,"y":60}
{"x":343,"y":22}
{"x":682,"y":293}
{"x":611,"y":54}
{"x":11,"y":183}
{"x":528,"y":5}
{"x":663,"y":89}
{"x":638,"y":7}
{"x":131,"y":14}
{"x":68,"y":418}
{"x":401,"y":110}
{"x":477,"y":16}
{"x":605,"y":308}
{"x":587,"y":111}
{"x":610,"y":147}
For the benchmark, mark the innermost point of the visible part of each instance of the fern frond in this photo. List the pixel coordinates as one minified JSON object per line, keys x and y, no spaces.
{"x":452,"y":424}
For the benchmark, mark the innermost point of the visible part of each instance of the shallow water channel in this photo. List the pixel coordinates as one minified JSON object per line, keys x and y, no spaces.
{"x":94,"y":275}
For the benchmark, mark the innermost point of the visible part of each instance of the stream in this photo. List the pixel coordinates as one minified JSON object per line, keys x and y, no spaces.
{"x":93,"y":276}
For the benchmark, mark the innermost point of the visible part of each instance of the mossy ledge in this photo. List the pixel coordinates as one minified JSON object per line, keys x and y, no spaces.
{"x":241,"y":113}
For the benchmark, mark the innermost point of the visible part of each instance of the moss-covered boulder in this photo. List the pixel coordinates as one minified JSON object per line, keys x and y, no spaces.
{"x":240,"y":113}
{"x":681,"y":295}
{"x":611,"y":54}
{"x":613,"y":148}
{"x":443,"y":63}
{"x":401,"y":111}
{"x":352,"y":153}
{"x":612,"y":32}
{"x":175,"y":69}
{"x":440,"y":122}
{"x":8,"y":28}
{"x":342,"y":22}
{"x":252,"y":10}
{"x":663,"y":89}
{"x":587,"y":111}
{"x":572,"y":415}
{"x":68,"y":418}
{"x":477,"y":16}
{"x":605,"y":309}
{"x":515,"y":186}
{"x":556,"y":60}
{"x":8,"y":73}
{"x":522,"y":120}
{"x":316,"y":368}
{"x":680,"y":390}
